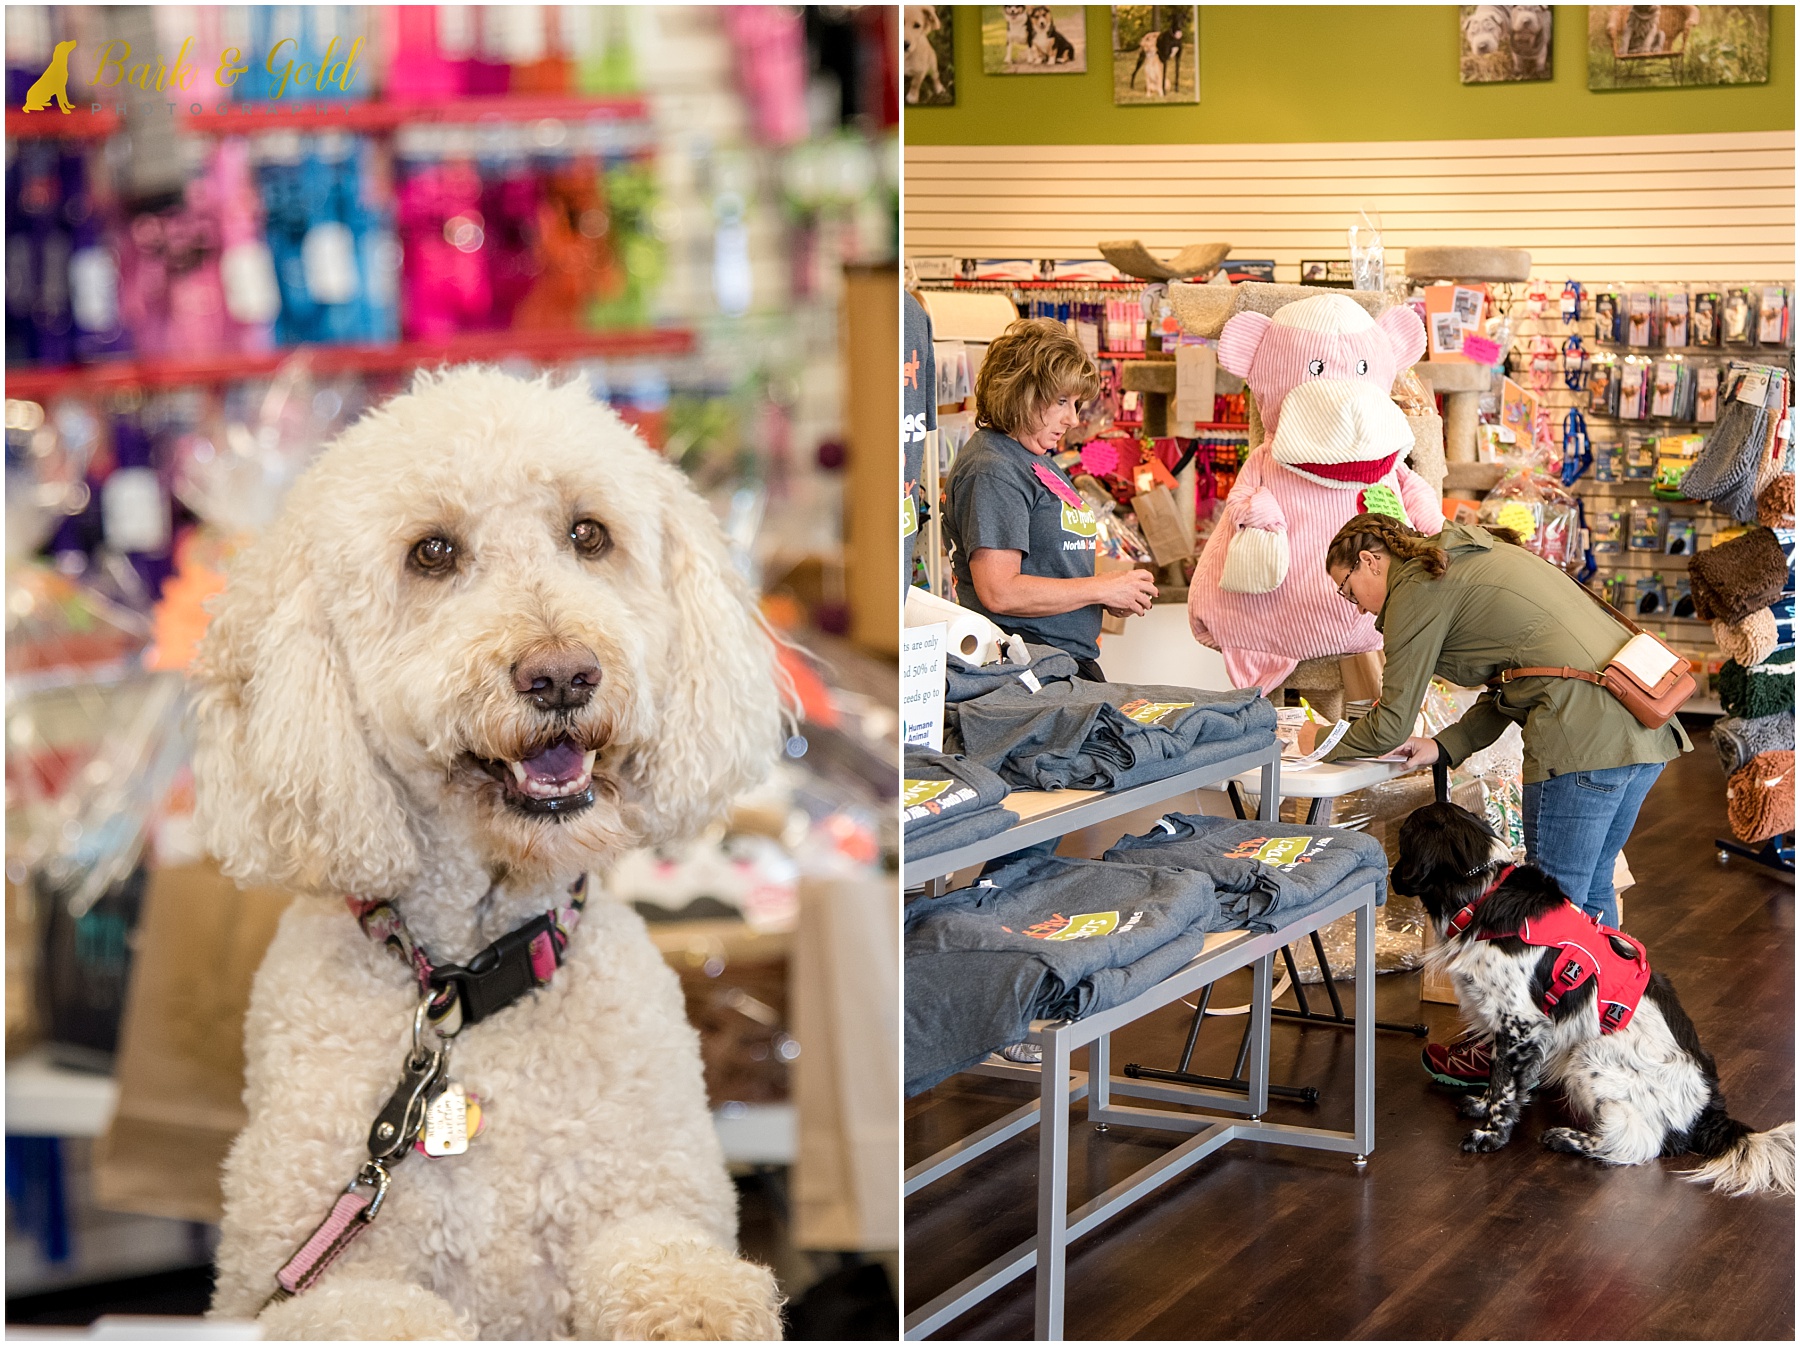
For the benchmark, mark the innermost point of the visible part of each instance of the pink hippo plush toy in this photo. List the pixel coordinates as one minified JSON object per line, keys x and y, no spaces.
{"x":1322,"y":370}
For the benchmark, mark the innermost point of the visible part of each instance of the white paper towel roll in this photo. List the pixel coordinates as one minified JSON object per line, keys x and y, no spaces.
{"x":972,"y":638}
{"x":964,"y":316}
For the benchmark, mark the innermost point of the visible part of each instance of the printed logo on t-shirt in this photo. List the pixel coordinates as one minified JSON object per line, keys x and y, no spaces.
{"x":1080,"y":522}
{"x":1089,"y":925}
{"x":1152,"y":712}
{"x":1281,"y":852}
{"x":922,"y":791}
{"x":1077,"y":518}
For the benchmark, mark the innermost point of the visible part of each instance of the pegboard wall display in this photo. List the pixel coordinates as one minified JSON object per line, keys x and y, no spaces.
{"x":1628,"y":380}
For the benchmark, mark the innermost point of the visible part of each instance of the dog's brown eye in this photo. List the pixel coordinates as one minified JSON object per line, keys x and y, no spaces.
{"x":434,"y":555}
{"x":590,"y":537}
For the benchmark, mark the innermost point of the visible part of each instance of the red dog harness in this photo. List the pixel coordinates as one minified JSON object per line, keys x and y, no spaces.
{"x":1589,"y":952}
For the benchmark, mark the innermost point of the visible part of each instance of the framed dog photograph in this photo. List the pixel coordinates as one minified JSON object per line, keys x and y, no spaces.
{"x":1677,"y":46}
{"x":1033,"y":39}
{"x":928,"y":55}
{"x":1155,"y":54}
{"x":1505,"y":44}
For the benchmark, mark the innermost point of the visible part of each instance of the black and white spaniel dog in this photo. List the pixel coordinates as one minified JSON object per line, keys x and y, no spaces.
{"x":1646,"y":1090}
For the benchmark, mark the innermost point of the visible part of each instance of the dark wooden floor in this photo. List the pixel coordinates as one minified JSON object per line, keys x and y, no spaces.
{"x":1427,"y":1242}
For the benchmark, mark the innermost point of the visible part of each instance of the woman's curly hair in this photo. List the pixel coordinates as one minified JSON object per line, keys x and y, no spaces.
{"x":1027,"y":368}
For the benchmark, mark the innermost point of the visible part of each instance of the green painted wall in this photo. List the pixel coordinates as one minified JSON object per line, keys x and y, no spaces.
{"x":1322,"y":73}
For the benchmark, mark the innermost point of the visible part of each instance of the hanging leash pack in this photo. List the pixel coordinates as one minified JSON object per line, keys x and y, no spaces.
{"x":1577,"y":448}
{"x":1575,"y":362}
{"x":426,"y":1110}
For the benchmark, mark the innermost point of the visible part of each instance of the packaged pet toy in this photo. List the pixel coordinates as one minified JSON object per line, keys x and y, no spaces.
{"x":1606,"y":317}
{"x":1322,"y":370}
{"x":1737,"y":326}
{"x":1703,"y":326}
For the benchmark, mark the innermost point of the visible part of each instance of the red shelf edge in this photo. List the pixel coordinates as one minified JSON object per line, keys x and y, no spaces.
{"x":39,"y":384}
{"x":82,"y":124}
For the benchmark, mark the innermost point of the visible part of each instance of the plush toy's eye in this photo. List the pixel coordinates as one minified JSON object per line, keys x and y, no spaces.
{"x":434,"y":556}
{"x":590,"y":537}
{"x":1362,"y":366}
{"x":1315,"y":367}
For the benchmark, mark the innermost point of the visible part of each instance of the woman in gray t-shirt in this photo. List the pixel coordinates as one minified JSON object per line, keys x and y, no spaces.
{"x":1022,"y":540}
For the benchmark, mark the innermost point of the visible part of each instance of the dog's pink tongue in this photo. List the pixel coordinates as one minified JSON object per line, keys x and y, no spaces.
{"x":555,"y":765}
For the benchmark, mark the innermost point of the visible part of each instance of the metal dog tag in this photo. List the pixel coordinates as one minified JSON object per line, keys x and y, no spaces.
{"x":447,"y":1123}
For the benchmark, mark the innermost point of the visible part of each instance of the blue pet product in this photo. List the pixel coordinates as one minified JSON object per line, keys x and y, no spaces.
{"x":40,"y":325}
{"x":333,"y":249}
{"x":93,"y":270}
{"x":135,"y":512}
{"x":320,"y":53}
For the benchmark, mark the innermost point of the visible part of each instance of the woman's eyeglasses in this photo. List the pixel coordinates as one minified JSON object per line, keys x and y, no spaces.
{"x":1343,"y":590}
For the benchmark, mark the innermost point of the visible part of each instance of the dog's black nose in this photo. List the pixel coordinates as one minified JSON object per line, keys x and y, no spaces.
{"x":560,"y":678}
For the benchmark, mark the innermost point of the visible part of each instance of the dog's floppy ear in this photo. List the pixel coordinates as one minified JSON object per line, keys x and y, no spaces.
{"x":287,"y":790}
{"x":720,"y":718}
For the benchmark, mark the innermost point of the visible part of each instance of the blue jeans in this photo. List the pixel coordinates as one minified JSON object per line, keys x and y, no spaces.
{"x":1576,"y":824}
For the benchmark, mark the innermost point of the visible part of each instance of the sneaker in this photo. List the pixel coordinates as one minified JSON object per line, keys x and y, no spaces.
{"x":1022,"y":1054}
{"x":1463,"y":1064}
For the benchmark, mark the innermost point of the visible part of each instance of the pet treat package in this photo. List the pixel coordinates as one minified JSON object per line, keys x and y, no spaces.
{"x":1542,"y":512}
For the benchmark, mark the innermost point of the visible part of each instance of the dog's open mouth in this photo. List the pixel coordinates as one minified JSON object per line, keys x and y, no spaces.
{"x":557,"y":780}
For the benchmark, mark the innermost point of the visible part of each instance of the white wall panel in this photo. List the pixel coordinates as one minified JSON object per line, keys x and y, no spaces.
{"x":1716,"y":207}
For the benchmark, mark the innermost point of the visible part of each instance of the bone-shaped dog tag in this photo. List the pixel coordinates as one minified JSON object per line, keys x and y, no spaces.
{"x":447,"y":1123}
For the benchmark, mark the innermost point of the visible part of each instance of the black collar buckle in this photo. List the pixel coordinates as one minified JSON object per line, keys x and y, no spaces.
{"x":500,"y":974}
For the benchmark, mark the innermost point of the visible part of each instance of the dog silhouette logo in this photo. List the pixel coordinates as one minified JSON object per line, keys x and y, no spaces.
{"x":53,"y":83}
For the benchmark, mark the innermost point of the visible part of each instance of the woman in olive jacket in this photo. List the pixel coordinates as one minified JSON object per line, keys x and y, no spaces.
{"x":1464,"y":606}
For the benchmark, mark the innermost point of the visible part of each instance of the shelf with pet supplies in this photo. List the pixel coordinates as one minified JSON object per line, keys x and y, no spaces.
{"x":40,"y":384}
{"x":374,"y":116}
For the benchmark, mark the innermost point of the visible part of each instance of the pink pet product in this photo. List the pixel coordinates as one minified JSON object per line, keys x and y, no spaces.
{"x":1322,"y":370}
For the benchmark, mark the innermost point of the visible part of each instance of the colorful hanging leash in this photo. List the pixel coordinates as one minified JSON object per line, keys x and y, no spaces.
{"x":1588,"y":564}
{"x":1575,"y":362}
{"x":1571,"y":301}
{"x":1577,"y":448}
{"x":452,"y":996}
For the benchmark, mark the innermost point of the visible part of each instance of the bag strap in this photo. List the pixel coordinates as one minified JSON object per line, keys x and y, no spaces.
{"x":1507,"y":675}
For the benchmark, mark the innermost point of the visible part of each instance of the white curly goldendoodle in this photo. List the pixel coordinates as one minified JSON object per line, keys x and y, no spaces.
{"x":492,"y":642}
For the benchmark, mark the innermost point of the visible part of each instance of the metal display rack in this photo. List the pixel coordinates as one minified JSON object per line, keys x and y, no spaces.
{"x":1059,"y":1087}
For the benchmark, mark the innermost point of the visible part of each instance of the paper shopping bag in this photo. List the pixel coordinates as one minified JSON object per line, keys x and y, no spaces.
{"x":181,"y":1050}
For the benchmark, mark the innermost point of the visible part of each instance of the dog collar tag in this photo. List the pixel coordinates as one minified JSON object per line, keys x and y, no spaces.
{"x":447,"y":1123}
